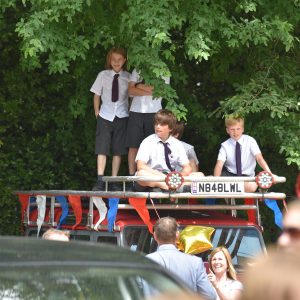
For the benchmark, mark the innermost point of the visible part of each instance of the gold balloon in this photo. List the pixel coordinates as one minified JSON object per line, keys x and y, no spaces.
{"x":195,"y":239}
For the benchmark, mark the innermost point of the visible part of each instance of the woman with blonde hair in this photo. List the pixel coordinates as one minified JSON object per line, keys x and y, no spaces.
{"x":222,"y":275}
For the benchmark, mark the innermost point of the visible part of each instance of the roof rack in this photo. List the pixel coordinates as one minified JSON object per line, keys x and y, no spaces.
{"x":232,"y":197}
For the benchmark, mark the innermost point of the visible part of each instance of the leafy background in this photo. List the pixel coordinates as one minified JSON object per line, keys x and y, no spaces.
{"x":223,"y":56}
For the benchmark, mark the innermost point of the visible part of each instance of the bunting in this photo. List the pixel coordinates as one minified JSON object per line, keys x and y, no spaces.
{"x":41,"y":203}
{"x":75,"y":202}
{"x":102,"y":209}
{"x":64,"y":210}
{"x":272,"y":204}
{"x":112,"y":212}
{"x":140,"y":206}
{"x":23,"y":199}
{"x":251,"y":212}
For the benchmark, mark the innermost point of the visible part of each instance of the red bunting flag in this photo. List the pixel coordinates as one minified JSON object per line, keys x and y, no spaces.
{"x":140,"y":206}
{"x":23,"y":199}
{"x":251,"y":213}
{"x":75,"y":202}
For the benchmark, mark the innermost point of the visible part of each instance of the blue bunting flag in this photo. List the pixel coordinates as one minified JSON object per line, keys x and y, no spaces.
{"x":112,"y":212}
{"x":272,"y":204}
{"x":65,"y":209}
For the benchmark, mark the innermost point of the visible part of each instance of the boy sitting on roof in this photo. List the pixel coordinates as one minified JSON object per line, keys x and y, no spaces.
{"x":238,"y":154}
{"x":189,"y":149}
{"x":161,"y":153}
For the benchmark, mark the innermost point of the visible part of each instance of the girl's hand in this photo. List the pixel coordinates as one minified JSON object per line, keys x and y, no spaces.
{"x":212,"y":278}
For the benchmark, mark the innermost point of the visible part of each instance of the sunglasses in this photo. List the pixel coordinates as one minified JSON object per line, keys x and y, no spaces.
{"x":293,"y":232}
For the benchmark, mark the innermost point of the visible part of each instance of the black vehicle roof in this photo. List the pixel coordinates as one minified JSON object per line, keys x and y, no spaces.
{"x":26,"y":251}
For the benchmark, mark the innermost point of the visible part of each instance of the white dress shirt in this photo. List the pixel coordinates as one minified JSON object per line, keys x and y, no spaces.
{"x":190,"y":152}
{"x":249,"y":149}
{"x":103,"y":86}
{"x":145,"y":104}
{"x":151,"y":152}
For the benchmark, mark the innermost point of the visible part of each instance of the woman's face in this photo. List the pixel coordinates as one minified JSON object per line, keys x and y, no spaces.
{"x":219,"y":263}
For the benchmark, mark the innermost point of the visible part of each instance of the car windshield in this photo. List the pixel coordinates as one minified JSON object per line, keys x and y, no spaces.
{"x":84,"y":282}
{"x":242,"y":242}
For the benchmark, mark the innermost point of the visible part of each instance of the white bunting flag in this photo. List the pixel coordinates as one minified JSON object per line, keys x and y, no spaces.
{"x":41,"y":203}
{"x":100,"y":204}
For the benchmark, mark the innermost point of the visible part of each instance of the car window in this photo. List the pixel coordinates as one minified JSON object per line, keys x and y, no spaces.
{"x":242,"y":242}
{"x":107,"y":239}
{"x":50,"y":282}
{"x":85,"y":235}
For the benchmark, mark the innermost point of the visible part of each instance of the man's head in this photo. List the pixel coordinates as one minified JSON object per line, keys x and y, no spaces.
{"x":290,"y":236}
{"x":234,"y":127}
{"x":275,"y":276}
{"x":56,"y":235}
{"x":166,"y":231}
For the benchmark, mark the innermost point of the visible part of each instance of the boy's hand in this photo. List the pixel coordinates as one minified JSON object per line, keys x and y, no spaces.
{"x":275,"y":178}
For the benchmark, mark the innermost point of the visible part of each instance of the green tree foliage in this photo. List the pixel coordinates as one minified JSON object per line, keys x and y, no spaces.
{"x":223,"y":57}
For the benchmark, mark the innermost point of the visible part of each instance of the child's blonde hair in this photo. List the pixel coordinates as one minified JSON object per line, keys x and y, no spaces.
{"x":231,"y":120}
{"x":117,"y":50}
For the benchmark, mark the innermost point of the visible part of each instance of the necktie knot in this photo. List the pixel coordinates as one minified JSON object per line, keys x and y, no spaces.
{"x":167,"y":151}
{"x":115,"y":88}
{"x":166,"y":146}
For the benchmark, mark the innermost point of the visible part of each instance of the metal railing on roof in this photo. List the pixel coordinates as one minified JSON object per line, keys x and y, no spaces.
{"x":124,"y":194}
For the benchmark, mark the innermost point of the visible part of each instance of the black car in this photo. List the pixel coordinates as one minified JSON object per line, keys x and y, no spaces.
{"x":32,"y":268}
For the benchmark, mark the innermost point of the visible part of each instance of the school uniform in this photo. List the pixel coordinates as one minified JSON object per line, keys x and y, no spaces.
{"x":151,"y":152}
{"x":113,"y":116}
{"x":249,"y":149}
{"x":141,"y":115}
{"x":190,"y":152}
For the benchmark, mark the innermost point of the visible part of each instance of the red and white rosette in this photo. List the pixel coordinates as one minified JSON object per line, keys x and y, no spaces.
{"x":264,"y":180}
{"x":174,"y":180}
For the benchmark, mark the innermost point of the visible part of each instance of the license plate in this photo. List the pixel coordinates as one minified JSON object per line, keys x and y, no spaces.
{"x":198,"y":188}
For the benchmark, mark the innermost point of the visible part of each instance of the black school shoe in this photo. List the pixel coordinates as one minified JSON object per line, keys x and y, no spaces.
{"x":130,"y":186}
{"x":114,"y":187}
{"x":99,"y":186}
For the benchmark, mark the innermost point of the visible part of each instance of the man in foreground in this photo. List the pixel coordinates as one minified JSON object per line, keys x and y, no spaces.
{"x":188,"y":267}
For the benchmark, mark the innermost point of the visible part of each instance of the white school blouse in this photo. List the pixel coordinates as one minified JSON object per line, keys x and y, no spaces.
{"x":103,"y":86}
{"x":145,"y":104}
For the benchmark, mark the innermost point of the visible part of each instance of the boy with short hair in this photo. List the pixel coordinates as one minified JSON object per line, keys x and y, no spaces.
{"x":161,"y":153}
{"x":112,"y":114}
{"x":189,"y":149}
{"x":238,"y":155}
